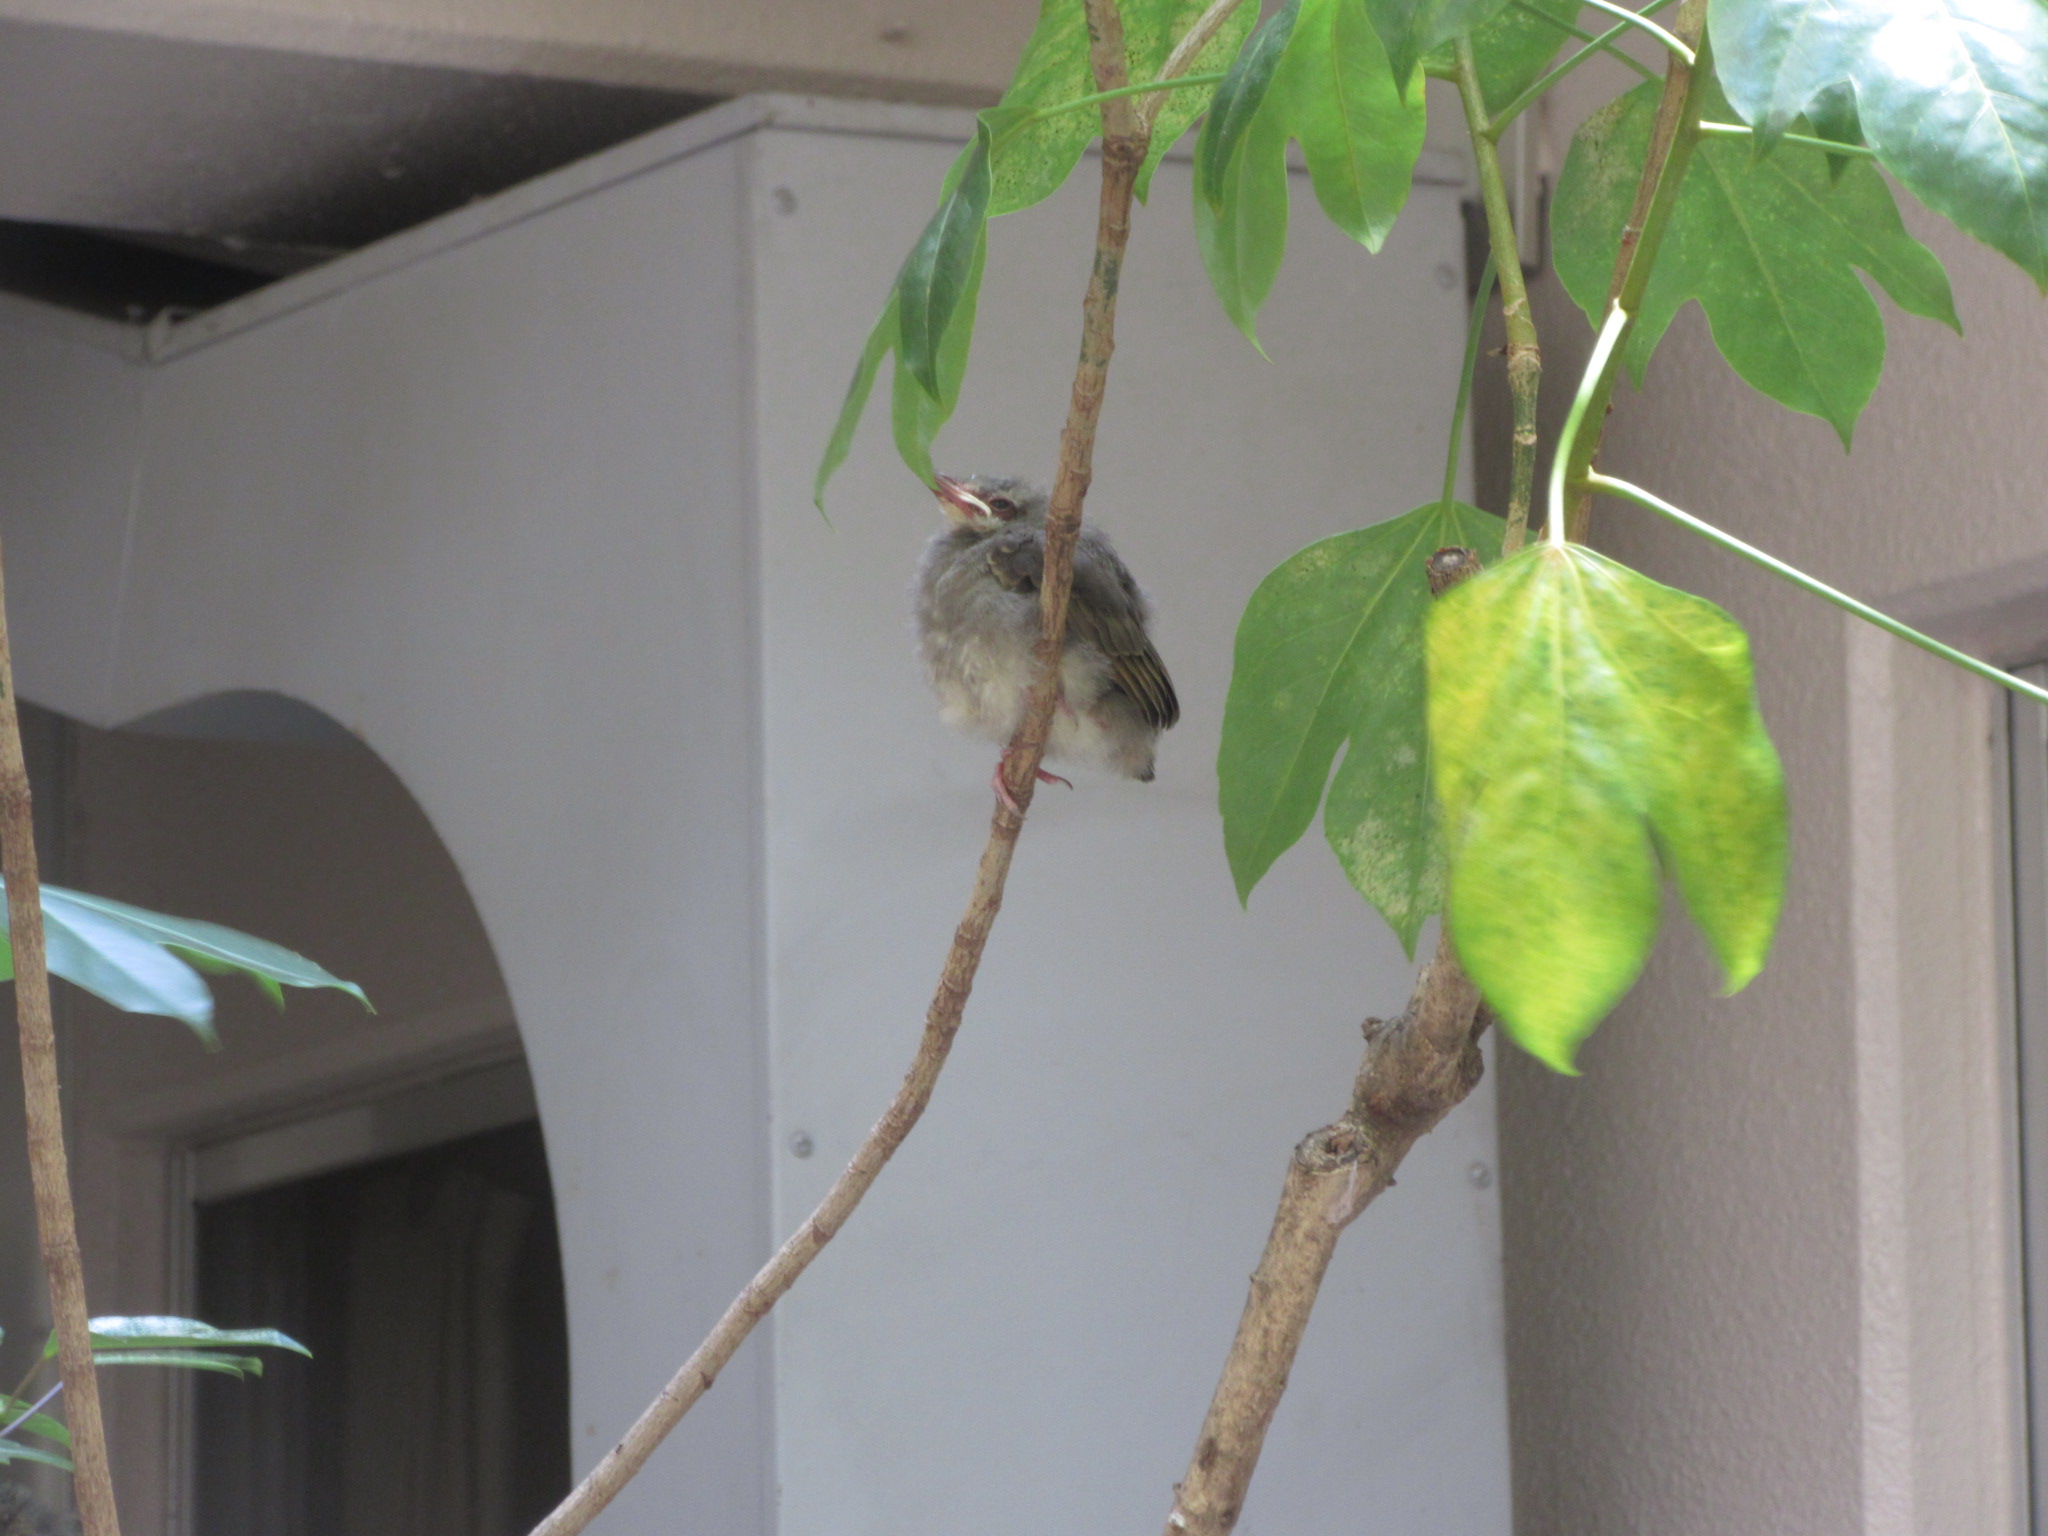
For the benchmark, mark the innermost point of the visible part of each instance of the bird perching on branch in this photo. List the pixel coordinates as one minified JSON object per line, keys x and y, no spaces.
{"x":978,"y":625}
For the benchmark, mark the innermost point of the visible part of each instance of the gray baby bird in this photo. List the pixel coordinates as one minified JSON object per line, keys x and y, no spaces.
{"x":978,"y":622}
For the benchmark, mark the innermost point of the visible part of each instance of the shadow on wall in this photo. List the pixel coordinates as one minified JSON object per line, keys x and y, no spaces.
{"x":312,"y":1171}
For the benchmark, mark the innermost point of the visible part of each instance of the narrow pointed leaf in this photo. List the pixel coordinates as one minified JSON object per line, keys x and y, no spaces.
{"x":1242,"y":245}
{"x":14,"y":1450}
{"x":142,"y":961}
{"x":119,"y":1333}
{"x":935,"y":278}
{"x":1235,"y":106}
{"x":39,"y":1424}
{"x":1586,"y":720}
{"x":1769,"y":248}
{"x":880,"y":343}
{"x":183,"y":1359}
{"x":915,"y":415}
{"x":1329,"y":656}
{"x":1410,"y":28}
{"x":1952,"y":95}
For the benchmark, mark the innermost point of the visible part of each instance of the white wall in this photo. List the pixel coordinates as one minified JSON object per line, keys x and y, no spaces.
{"x":523,"y":498}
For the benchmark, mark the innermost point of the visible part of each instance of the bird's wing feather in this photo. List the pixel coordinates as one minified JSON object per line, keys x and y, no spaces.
{"x":1107,"y":613}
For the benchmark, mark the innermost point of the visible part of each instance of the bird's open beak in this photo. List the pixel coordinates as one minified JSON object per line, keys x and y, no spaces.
{"x":961,"y":504}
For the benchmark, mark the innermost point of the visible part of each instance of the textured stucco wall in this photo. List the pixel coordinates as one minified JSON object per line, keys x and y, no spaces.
{"x":1760,"y":1260}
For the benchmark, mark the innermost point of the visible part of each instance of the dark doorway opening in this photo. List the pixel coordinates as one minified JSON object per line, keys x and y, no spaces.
{"x":429,"y":1288}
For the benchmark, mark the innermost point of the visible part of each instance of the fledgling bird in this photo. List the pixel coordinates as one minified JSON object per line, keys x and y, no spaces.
{"x":978,"y":622}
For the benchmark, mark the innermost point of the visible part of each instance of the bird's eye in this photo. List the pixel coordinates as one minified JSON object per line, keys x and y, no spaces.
{"x":1002,"y":506}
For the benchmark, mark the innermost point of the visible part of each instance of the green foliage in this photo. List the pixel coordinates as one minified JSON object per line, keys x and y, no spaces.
{"x":182,"y":1342}
{"x":1329,"y":655}
{"x":179,"y":1342}
{"x":1767,"y":247}
{"x":1585,"y":721}
{"x":1952,"y":94}
{"x":143,"y":962}
{"x":1315,"y":71}
{"x":1410,"y":28}
{"x":1514,"y":48}
{"x":1024,"y":148}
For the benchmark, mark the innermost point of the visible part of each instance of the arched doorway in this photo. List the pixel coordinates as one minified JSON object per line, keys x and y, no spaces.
{"x":377,"y":1185}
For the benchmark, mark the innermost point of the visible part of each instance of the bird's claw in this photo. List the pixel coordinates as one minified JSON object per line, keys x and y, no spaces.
{"x":1002,"y":789}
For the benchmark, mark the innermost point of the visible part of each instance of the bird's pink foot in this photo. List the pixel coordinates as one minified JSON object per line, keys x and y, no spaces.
{"x":1003,"y":790}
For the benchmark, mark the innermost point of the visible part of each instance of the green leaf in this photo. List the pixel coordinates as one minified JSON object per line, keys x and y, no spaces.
{"x":1952,"y":95}
{"x":916,"y":415}
{"x":1236,"y":106}
{"x":1315,"y":71}
{"x":13,"y":1450}
{"x":936,"y":275}
{"x":881,"y":342}
{"x":184,"y":1359}
{"x":1767,"y":246}
{"x":1359,"y":136}
{"x":1410,"y":28}
{"x":1514,"y":48}
{"x":37,"y":1423}
{"x":1586,"y":720}
{"x":137,"y":960}
{"x":1329,"y":655}
{"x":119,"y":1333}
{"x":1183,"y":107}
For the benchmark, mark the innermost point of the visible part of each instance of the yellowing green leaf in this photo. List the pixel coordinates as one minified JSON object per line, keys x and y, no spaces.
{"x":1586,"y":721}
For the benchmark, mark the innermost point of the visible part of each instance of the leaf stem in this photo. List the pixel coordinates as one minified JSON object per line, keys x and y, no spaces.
{"x":1473,"y":330}
{"x":1040,"y":114}
{"x":1192,"y":42}
{"x":32,"y":1410}
{"x":1604,"y":43}
{"x":1525,"y":357}
{"x":1568,"y":439}
{"x":1672,"y":139}
{"x":1642,"y":23}
{"x":1818,"y":588}
{"x":1589,"y":38}
{"x":1744,"y":131}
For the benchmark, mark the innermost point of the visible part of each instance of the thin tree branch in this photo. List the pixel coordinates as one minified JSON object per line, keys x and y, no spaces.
{"x":1525,"y":358}
{"x":1672,"y":139}
{"x":1123,"y":152}
{"x":56,"y":1221}
{"x":1416,"y":1070}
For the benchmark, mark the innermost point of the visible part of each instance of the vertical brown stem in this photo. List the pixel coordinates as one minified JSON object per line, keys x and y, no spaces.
{"x":56,"y":1222}
{"x":1416,"y":1070}
{"x":1125,"y":139}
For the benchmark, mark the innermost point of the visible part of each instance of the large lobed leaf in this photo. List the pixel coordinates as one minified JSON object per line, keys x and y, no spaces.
{"x":1329,"y":656}
{"x":1315,"y":71}
{"x":1951,"y":94}
{"x":1768,"y":247}
{"x":1585,"y":721}
{"x":143,"y":962}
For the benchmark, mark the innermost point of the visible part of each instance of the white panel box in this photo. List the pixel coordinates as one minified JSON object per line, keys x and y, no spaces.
{"x":523,"y":498}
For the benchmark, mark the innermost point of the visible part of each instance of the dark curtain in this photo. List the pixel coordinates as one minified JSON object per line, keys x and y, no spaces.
{"x":429,"y":1289}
